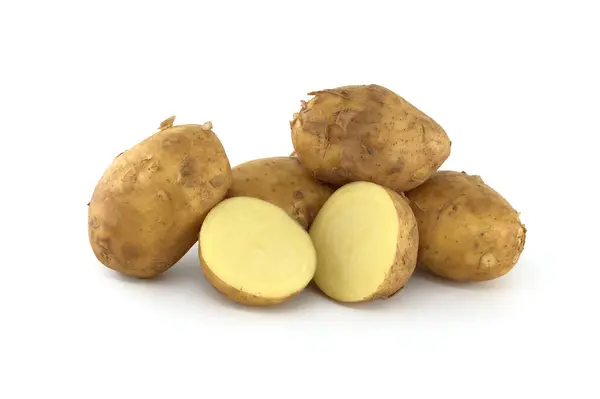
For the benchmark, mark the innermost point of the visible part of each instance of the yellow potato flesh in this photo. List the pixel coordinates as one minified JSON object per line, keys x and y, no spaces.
{"x":355,"y":235}
{"x":254,"y":247}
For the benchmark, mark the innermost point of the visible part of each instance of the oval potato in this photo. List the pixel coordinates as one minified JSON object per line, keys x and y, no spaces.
{"x":468,"y":231}
{"x":147,"y":209}
{"x":367,"y":133}
{"x":281,"y":181}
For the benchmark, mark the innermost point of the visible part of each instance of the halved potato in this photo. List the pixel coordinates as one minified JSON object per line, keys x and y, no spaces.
{"x":254,"y":253}
{"x":366,"y":240}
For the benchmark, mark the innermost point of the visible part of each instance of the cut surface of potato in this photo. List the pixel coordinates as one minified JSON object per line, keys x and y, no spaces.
{"x":366,"y":241}
{"x":254,"y":253}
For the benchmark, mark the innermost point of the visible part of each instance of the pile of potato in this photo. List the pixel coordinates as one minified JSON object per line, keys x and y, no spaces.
{"x":356,"y":208}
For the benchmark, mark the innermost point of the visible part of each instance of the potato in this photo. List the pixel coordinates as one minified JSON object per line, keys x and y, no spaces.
{"x":254,"y":253}
{"x":367,"y":133}
{"x":468,"y":231}
{"x":366,"y":239}
{"x":281,"y":181}
{"x":147,"y":208}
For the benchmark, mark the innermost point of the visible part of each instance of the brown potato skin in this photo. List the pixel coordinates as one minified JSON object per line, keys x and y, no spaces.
{"x":234,"y":294}
{"x":284,"y":182}
{"x":147,"y":209}
{"x":468,"y":231}
{"x":367,"y":133}
{"x":406,"y":250}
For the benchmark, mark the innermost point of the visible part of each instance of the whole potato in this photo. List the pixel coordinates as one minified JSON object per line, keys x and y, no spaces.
{"x":281,"y":181}
{"x":147,"y":209}
{"x":367,"y":133}
{"x":468,"y":231}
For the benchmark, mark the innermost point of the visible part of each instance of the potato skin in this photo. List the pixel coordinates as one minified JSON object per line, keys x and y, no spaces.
{"x":367,"y":133}
{"x":284,"y":182}
{"x":406,"y":250}
{"x":147,"y":209}
{"x":234,"y":294}
{"x":468,"y":231}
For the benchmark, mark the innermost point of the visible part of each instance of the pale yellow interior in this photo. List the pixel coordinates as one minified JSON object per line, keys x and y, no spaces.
{"x":255,"y":247}
{"x":355,"y":235}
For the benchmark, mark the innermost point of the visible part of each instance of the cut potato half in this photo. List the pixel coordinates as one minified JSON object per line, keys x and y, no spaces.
{"x":254,"y":253}
{"x":366,"y":240}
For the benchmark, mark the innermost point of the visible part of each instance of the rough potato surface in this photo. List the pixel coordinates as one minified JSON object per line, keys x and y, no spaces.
{"x":367,"y":133}
{"x":147,"y":209}
{"x":406,"y":249}
{"x":284,"y":182}
{"x":468,"y":231}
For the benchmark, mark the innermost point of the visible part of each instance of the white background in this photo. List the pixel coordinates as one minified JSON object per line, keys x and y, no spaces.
{"x":516,"y":86}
